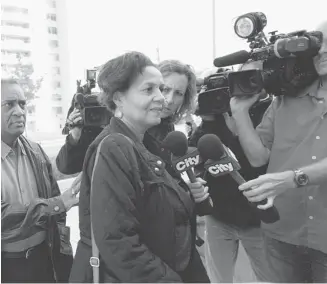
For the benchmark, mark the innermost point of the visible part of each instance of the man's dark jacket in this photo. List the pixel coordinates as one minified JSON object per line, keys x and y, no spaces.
{"x":18,"y":221}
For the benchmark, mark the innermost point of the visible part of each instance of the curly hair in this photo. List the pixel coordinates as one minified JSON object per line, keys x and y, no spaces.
{"x":168,"y":67}
{"x":118,"y":74}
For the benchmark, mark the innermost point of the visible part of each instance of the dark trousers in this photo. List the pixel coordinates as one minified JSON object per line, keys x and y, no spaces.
{"x":35,"y":268}
{"x":295,"y":264}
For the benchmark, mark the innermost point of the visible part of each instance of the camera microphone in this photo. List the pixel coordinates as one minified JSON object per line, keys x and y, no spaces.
{"x":238,"y":57}
{"x":176,"y":143}
{"x":220,"y":162}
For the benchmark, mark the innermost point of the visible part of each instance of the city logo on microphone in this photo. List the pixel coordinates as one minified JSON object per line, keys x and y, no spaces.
{"x":188,"y":161}
{"x":224,"y":166}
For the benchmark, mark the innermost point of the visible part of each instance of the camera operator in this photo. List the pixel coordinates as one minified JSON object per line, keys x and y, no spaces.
{"x":233,"y":220}
{"x":71,"y":155}
{"x":292,"y":139}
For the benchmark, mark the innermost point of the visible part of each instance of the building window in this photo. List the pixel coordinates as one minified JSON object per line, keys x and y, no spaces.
{"x":55,"y":70}
{"x":52,"y":17}
{"x":16,"y":39}
{"x":52,"y":30}
{"x":56,"y":84}
{"x":52,"y":3}
{"x":11,"y":24}
{"x":57,"y":110}
{"x":26,"y":54}
{"x":12,"y":9}
{"x":31,"y":109}
{"x":53,"y":43}
{"x":54,"y":57}
{"x":56,"y":97}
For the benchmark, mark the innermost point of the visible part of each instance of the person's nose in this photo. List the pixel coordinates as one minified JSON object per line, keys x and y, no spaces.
{"x":160,"y":97}
{"x":18,"y":110}
{"x":169,"y":97}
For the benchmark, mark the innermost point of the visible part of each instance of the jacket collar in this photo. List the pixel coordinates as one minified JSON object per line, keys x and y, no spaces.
{"x":117,"y":125}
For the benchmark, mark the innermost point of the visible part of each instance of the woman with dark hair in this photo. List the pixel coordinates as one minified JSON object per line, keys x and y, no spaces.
{"x":135,"y":219}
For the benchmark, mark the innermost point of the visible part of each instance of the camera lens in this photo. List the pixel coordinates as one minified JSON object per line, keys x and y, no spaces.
{"x":248,"y":84}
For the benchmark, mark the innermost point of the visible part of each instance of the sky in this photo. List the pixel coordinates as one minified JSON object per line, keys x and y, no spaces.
{"x":99,"y":30}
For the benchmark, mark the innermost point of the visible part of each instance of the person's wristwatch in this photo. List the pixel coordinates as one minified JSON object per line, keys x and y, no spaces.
{"x":300,"y":178}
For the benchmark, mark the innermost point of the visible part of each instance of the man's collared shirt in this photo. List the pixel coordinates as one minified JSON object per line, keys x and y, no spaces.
{"x":18,"y":184}
{"x":295,"y":131}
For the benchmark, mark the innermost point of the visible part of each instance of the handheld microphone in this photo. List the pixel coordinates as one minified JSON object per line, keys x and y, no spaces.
{"x":220,"y":162}
{"x":238,"y":57}
{"x":176,"y":143}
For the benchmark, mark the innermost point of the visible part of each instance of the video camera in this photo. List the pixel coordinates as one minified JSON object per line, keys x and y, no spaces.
{"x":92,"y":112}
{"x":287,"y":65}
{"x":214,"y":95}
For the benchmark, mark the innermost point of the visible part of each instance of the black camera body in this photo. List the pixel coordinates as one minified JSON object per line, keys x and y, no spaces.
{"x":286,"y":59}
{"x":287,"y":65}
{"x":92,"y":113}
{"x":214,"y":96}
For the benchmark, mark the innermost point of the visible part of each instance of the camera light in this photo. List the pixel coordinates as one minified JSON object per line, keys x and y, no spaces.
{"x":250,"y":24}
{"x":244,"y":27}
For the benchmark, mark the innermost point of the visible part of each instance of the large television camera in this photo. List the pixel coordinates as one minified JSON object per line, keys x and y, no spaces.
{"x":214,"y":96}
{"x":93,"y":114}
{"x":286,"y":59}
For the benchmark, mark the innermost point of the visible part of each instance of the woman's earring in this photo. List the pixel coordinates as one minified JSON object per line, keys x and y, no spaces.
{"x":119,"y":114}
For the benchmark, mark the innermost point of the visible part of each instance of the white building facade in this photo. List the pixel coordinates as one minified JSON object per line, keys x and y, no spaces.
{"x":36,"y":30}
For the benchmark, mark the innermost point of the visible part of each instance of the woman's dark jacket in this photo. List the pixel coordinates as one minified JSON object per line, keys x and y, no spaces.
{"x":137,"y":210}
{"x":230,"y":205}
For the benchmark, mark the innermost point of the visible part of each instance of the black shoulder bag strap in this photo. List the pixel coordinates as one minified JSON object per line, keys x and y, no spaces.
{"x":94,"y":260}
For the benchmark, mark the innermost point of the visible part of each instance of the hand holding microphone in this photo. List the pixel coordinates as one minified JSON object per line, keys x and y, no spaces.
{"x":199,"y":190}
{"x":176,"y":143}
{"x":220,"y":162}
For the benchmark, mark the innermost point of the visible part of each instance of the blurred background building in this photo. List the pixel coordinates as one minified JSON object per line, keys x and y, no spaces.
{"x":34,"y":37}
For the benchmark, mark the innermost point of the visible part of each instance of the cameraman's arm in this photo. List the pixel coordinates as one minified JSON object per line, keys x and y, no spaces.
{"x":255,"y":143}
{"x":71,"y":156}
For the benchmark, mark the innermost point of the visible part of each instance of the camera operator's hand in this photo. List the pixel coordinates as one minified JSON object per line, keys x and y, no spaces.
{"x":244,"y":103}
{"x":74,"y":118}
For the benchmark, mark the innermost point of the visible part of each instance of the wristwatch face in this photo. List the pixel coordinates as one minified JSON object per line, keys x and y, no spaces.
{"x":302,"y":179}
